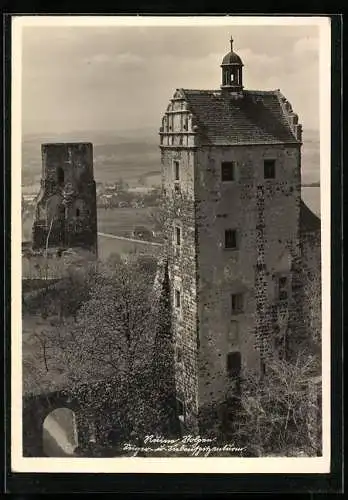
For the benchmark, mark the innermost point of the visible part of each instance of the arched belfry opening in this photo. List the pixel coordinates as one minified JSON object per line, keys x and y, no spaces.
{"x":232,"y":71}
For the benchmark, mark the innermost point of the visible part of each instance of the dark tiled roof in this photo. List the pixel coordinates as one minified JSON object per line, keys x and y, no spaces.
{"x":256,"y":118}
{"x":232,"y":58}
{"x":309,"y":222}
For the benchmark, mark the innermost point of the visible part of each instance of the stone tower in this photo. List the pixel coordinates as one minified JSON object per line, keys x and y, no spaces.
{"x":231,"y":174}
{"x":66,"y":213}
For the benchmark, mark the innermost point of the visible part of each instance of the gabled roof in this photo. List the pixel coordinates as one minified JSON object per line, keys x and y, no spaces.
{"x":309,"y":222}
{"x":255,"y":118}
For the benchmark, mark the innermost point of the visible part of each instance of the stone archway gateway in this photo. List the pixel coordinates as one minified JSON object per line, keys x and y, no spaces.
{"x":59,"y":433}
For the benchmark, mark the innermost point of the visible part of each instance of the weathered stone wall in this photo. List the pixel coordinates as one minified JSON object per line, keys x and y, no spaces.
{"x":312,"y":289}
{"x":66,"y":213}
{"x":248,"y":205}
{"x":180,"y":211}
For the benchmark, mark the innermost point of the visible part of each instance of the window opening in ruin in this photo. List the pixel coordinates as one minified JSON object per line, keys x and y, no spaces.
{"x":269,"y":169}
{"x":179,"y":354}
{"x":77,"y":212}
{"x":60,"y":175}
{"x":177,"y":299}
{"x":234,"y":364}
{"x":227,"y":171}
{"x":283,"y":288}
{"x":176,"y":170}
{"x":180,"y":408}
{"x":237,"y":303}
{"x":230,"y":238}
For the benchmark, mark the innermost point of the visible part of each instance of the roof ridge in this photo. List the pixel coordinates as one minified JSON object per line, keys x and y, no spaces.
{"x":247,"y":91}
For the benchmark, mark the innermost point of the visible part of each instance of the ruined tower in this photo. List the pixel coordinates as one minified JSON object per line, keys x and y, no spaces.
{"x":66,"y":213}
{"x":231,"y":174}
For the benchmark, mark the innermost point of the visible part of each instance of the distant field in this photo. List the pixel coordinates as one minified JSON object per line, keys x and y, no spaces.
{"x":109,"y":246}
{"x":121,"y":221}
{"x":136,"y":158}
{"x":116,"y":221}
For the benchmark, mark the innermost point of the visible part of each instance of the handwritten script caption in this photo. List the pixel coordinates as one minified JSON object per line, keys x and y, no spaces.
{"x":189,"y":445}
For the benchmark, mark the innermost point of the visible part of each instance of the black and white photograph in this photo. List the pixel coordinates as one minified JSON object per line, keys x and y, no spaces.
{"x":171,"y":244}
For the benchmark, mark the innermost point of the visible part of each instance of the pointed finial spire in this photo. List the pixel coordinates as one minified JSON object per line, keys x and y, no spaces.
{"x":231,"y":42}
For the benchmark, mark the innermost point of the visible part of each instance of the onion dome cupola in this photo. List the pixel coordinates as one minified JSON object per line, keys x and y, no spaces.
{"x":232,"y":72}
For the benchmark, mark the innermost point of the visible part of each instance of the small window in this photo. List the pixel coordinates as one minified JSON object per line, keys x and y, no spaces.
{"x":181,"y":140}
{"x":227,"y":171}
{"x":283,"y":288}
{"x":230,"y":238}
{"x":176,"y":170}
{"x":269,"y":169}
{"x":180,"y":409}
{"x":178,"y":236}
{"x":237,"y":303}
{"x":77,"y":212}
{"x":234,"y":364}
{"x":177,"y":299}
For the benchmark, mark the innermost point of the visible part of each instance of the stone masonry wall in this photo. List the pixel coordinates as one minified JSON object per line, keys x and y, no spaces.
{"x":265,"y":214}
{"x":180,"y":212}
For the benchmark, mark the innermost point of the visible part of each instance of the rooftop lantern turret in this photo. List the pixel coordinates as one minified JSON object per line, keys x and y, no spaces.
{"x":232,"y":72}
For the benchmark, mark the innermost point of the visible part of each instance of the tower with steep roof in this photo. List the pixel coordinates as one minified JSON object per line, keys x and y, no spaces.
{"x":231,"y":175}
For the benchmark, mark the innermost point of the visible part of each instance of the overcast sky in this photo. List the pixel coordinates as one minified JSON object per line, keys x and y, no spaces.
{"x":116,"y":78}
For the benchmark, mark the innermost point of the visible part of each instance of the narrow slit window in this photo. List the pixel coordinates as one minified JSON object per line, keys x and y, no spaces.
{"x":176,"y":170}
{"x":180,"y":408}
{"x":77,"y":212}
{"x":269,"y":169}
{"x":178,"y":236}
{"x":230,"y":238}
{"x":177,"y":299}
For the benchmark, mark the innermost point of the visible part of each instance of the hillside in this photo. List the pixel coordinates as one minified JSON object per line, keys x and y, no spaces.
{"x":132,"y":155}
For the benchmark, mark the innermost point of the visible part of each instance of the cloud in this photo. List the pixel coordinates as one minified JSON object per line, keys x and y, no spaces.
{"x":305,"y":45}
{"x":124,"y":60}
{"x":258,"y":59}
